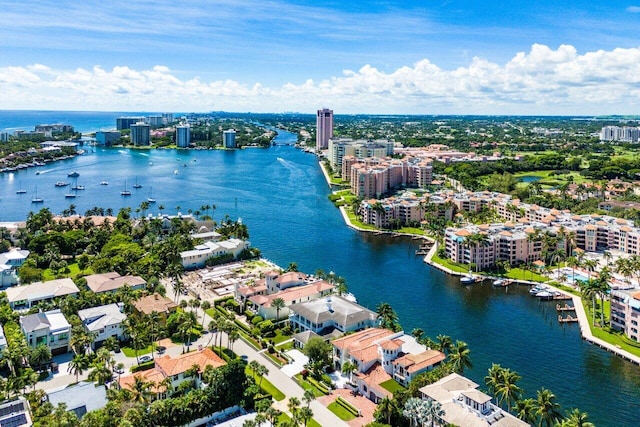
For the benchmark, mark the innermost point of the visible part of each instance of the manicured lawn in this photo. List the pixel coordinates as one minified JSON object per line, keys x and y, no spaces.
{"x":74,"y":271}
{"x":286,"y":346}
{"x":355,"y":221}
{"x":280,"y":337}
{"x":130,"y":352}
{"x":607,"y":334}
{"x":265,"y":385}
{"x":521,"y":274}
{"x":341,"y":412}
{"x":308,"y":386}
{"x":392,"y":386}
{"x":454,"y":266}
{"x":513,"y":273}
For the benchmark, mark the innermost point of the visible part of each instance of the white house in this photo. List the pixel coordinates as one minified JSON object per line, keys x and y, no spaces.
{"x":81,"y":398}
{"x":196,"y":258}
{"x":104,"y":321}
{"x":24,"y":297}
{"x":329,"y":313}
{"x":9,"y":264}
{"x":50,"y":328}
{"x":464,"y":405}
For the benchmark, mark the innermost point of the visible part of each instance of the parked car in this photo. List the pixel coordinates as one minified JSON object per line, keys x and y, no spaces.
{"x":145,"y":358}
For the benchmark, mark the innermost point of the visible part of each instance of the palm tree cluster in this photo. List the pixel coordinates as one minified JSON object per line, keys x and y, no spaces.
{"x":422,"y":412}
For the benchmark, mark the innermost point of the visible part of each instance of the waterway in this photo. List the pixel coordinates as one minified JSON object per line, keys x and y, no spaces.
{"x":281,"y":195}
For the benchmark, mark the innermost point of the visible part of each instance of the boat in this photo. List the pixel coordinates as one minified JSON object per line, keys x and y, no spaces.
{"x":468,"y":279}
{"x":21,"y":191}
{"x":78,"y":187}
{"x":124,"y":191}
{"x":70,"y":196}
{"x":73,"y":174}
{"x":175,"y":172}
{"x":136,"y":185}
{"x":350,"y":297}
{"x":35,"y":198}
{"x":61,"y":184}
{"x":500,"y":282}
{"x":104,"y":183}
{"x":150,"y":199}
{"x":546,"y":295}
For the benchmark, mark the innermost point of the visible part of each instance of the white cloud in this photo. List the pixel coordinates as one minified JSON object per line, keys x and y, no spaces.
{"x":633,"y":9}
{"x":541,"y":81}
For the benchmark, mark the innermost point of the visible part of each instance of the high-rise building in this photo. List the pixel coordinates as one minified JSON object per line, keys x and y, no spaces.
{"x":154,"y":121}
{"x":183,"y":135}
{"x":4,"y":136}
{"x":107,"y":138}
{"x":324,"y":128}
{"x":229,"y":138}
{"x":140,"y":134}
{"x":126,"y":122}
{"x":167,"y":118}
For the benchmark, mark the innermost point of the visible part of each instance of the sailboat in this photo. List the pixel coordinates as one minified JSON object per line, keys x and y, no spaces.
{"x":21,"y":190}
{"x":35,"y":198}
{"x":136,"y":185}
{"x":125,"y":192}
{"x":150,"y":199}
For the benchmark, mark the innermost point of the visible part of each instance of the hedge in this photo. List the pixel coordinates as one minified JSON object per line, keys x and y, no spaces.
{"x":143,"y":366}
{"x":348,"y":406}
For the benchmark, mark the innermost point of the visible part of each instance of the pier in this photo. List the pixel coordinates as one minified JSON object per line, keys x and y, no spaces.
{"x":566,"y":307}
{"x":568,"y":319}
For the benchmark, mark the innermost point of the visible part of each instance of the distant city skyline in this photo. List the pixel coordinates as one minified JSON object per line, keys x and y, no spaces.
{"x":543,"y":57}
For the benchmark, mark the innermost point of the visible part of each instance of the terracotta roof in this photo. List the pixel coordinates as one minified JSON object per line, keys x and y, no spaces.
{"x":419,"y":362}
{"x":154,"y":302}
{"x":361,"y":339}
{"x":463,"y":232}
{"x":391,"y":344}
{"x":150,"y":376}
{"x":292,"y":294}
{"x":375,"y":376}
{"x":176,"y":365}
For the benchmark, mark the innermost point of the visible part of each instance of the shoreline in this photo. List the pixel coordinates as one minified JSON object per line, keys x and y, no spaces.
{"x":583,"y":322}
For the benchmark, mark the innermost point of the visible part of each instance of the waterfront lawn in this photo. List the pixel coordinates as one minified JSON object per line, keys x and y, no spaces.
{"x":512,"y":273}
{"x":607,"y":334}
{"x":392,"y":386}
{"x":522,"y":274}
{"x":265,"y":385}
{"x":447,"y":263}
{"x":340,"y":411}
{"x":356,"y":222}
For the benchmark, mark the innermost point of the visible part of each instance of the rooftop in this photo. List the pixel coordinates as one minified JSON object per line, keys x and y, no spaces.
{"x":107,"y":282}
{"x":42,"y":290}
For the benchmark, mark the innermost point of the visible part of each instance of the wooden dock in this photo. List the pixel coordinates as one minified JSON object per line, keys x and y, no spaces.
{"x":568,"y":319}
{"x":561,"y":297}
{"x":566,"y":307}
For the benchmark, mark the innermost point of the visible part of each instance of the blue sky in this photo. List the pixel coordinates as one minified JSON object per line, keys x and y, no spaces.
{"x":423,"y":57}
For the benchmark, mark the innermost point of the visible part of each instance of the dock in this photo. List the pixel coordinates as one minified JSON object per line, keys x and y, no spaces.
{"x":568,"y":319}
{"x":561,"y":297}
{"x":565,"y":307}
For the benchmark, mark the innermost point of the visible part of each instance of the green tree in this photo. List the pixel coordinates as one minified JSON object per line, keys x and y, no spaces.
{"x":278,"y":304}
{"x":459,"y":358}
{"x":547,"y":409}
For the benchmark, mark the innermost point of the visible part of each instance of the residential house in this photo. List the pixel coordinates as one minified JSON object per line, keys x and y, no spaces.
{"x":197,"y":257}
{"x":176,"y":369}
{"x":155,"y":303}
{"x":9,"y":264}
{"x":464,"y":405}
{"x":50,"y":328}
{"x":111,"y":282}
{"x":25,"y":297}
{"x":262,"y":304}
{"x":104,"y":321}
{"x":325,"y":315}
{"x":80,"y":398}
{"x":15,"y":413}
{"x":382,"y":355}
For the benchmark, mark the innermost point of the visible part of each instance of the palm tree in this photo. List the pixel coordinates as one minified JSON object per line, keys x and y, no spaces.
{"x":577,"y":418}
{"x":546,"y":408}
{"x":589,"y":289}
{"x":444,"y":343}
{"x":308,"y":397}
{"x":385,"y":410}
{"x":476,"y":240}
{"x":603,"y":289}
{"x":305,"y":414}
{"x":508,"y":391}
{"x":77,"y":365}
{"x":415,"y":410}
{"x":206,"y":305}
{"x":140,"y":390}
{"x":525,"y":410}
{"x":294,"y":405}
{"x":434,"y":411}
{"x":493,"y":378}
{"x":387,"y":316}
{"x":348,"y":368}
{"x":459,"y":357}
{"x":278,"y":304}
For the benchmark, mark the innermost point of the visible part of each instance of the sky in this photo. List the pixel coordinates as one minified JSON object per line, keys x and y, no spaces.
{"x":540,"y":57}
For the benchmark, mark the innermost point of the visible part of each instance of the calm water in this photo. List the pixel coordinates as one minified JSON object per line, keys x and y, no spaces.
{"x":282,"y":197}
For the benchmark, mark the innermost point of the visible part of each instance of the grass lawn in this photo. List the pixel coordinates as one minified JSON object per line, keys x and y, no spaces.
{"x":286,"y":346}
{"x":341,"y":412}
{"x":355,"y":221}
{"x":607,"y":334}
{"x":279,"y":337}
{"x":513,"y":273}
{"x":392,"y":386}
{"x":521,"y":274}
{"x":266,"y":386}
{"x":130,"y":352}
{"x":308,"y":386}
{"x":454,"y":266}
{"x":74,"y":271}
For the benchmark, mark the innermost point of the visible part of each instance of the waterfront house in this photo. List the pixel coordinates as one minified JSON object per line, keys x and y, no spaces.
{"x":111,"y":282}
{"x":80,"y":398}
{"x":325,"y":315}
{"x":155,"y":303}
{"x":196,"y":258}
{"x":25,"y":297}
{"x":9,"y":264}
{"x":104,"y":321}
{"x":262,"y":304}
{"x":178,"y":370}
{"x":382,"y":355}
{"x":464,"y":405}
{"x":50,"y":328}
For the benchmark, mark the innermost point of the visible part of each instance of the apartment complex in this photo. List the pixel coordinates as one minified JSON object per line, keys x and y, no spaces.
{"x":625,"y":312}
{"x":107,"y":138}
{"x":375,"y":176}
{"x":622,"y":134}
{"x":339,"y":148}
{"x":183,"y":135}
{"x":140,"y":134}
{"x":123,"y":123}
{"x":229,"y":138}
{"x":324,"y":128}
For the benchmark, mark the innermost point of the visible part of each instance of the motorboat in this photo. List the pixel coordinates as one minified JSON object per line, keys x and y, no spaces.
{"x":78,"y":187}
{"x":61,"y":184}
{"x":468,"y":279}
{"x":546,"y":295}
{"x":104,"y":183}
{"x":73,"y":174}
{"x":536,"y":289}
{"x":500,"y":282}
{"x":70,"y":196}
{"x":21,"y":191}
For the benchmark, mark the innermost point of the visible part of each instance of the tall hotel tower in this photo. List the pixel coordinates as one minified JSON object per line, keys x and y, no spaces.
{"x":324,"y":130}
